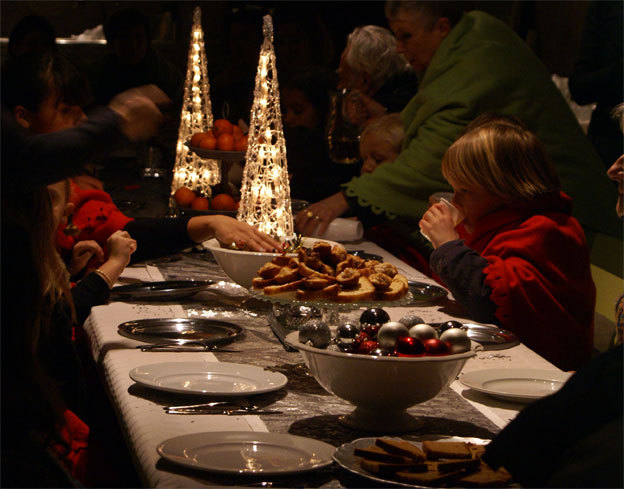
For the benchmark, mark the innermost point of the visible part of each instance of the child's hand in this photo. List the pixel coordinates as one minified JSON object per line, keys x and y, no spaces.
{"x":437,"y":223}
{"x":120,"y":247}
{"x":82,"y":252}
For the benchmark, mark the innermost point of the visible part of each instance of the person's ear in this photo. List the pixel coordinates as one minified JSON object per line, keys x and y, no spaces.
{"x":443,"y":27}
{"x":22,"y":116}
{"x":69,"y":209}
{"x":366,"y":84}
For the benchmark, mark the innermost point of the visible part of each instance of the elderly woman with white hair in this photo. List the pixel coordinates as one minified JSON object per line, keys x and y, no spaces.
{"x":371,"y":65}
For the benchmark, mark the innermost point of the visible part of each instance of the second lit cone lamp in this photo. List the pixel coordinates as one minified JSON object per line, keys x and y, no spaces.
{"x":265,"y":191}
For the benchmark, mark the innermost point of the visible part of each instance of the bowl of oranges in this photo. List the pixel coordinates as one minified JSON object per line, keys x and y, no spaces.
{"x":191,"y":203}
{"x":225,"y":142}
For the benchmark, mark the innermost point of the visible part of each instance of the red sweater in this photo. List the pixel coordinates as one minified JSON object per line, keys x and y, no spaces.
{"x":539,"y":273}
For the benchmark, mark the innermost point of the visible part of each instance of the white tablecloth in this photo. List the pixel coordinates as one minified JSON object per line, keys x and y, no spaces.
{"x":146,"y":425}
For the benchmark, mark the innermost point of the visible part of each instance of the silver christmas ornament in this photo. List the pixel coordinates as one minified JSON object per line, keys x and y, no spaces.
{"x":381,"y":352}
{"x":315,"y":333}
{"x":411,"y":319}
{"x":423,"y":332}
{"x":457,"y":339}
{"x":293,"y":316}
{"x":389,"y":333}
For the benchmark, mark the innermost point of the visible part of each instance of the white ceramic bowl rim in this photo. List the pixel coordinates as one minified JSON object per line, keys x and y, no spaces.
{"x":292,"y":341}
{"x":213,"y":244}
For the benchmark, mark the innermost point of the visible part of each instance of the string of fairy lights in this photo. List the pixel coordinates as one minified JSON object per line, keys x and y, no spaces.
{"x":191,"y":170}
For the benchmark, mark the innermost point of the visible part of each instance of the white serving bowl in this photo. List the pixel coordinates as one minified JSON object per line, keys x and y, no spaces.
{"x":242,"y":266}
{"x":381,"y":388}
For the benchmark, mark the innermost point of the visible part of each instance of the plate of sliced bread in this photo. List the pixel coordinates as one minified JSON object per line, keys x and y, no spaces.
{"x":423,"y":461}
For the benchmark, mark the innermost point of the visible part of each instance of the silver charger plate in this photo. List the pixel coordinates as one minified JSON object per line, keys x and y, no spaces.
{"x":163,"y":330}
{"x":167,"y":290}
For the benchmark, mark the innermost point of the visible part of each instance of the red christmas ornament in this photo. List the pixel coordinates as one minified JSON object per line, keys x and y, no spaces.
{"x":409,"y":347}
{"x":366,"y":347}
{"x":434,"y":346}
{"x":371,"y":330}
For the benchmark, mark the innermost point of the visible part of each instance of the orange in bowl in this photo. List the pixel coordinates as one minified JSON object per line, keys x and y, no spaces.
{"x":184,"y":196}
{"x":197,"y":137}
{"x":241,"y":143}
{"x":225,"y":142}
{"x":200,"y":204}
{"x":208,"y":142}
{"x":222,"y":126}
{"x":223,"y":202}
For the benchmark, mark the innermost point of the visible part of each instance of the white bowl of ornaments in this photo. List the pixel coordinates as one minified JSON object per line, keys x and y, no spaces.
{"x":241,"y":265}
{"x":383,"y":367}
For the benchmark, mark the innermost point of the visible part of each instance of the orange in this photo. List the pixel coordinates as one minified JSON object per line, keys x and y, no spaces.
{"x":200,"y":204}
{"x":237,"y":132}
{"x":208,"y":142}
{"x":223,"y":202}
{"x":184,"y":196}
{"x":225,"y":142}
{"x":222,"y":126}
{"x":241,"y":144}
{"x":197,"y":137}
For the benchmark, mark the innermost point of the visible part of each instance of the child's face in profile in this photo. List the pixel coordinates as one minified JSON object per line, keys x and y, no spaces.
{"x":297,"y":109}
{"x":473,"y":202}
{"x":375,"y":150}
{"x":54,"y":115}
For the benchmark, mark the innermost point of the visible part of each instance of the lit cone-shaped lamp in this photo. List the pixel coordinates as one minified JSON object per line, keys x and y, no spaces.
{"x":265,"y":191}
{"x":191,"y":170}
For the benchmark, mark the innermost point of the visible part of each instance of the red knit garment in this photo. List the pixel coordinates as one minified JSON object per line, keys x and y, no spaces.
{"x":73,"y":453}
{"x":95,"y":215}
{"x":539,"y":273}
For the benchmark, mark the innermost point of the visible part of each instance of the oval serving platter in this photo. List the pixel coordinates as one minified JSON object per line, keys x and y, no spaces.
{"x":163,"y":330}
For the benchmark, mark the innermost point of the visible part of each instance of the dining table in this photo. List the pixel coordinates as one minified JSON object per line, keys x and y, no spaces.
{"x":304,"y":408}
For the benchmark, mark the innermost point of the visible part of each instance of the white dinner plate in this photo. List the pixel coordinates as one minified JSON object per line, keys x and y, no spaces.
{"x":347,"y":460}
{"x":247,"y":452}
{"x":209,"y":378}
{"x":516,"y":384}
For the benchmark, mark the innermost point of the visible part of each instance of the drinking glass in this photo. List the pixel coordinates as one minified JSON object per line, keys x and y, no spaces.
{"x":343,"y":127}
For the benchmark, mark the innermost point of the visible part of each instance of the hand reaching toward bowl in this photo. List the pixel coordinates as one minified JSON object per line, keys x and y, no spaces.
{"x":230,"y":231}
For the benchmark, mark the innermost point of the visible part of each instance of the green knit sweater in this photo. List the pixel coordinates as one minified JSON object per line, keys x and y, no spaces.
{"x":483,"y":66}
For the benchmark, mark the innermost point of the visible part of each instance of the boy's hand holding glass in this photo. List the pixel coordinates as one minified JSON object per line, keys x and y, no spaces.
{"x":438,"y":223}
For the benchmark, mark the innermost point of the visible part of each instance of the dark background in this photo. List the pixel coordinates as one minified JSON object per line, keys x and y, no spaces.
{"x":551,"y":28}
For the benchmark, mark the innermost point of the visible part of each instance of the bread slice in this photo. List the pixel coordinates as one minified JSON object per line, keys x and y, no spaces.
{"x":469,"y":464}
{"x":430,"y":478}
{"x":398,"y":288}
{"x":401,"y":447}
{"x":389,"y":468}
{"x":261,"y":283}
{"x":379,"y":454}
{"x":280,"y":289}
{"x":363,"y":292}
{"x":486,"y":477}
{"x":446,"y":449}
{"x":327,"y":293}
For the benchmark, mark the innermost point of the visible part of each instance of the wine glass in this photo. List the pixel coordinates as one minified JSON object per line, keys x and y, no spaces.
{"x":343,"y":127}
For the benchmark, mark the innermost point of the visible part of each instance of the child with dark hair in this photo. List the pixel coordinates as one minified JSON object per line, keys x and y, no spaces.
{"x":518,"y":259}
{"x":305,"y":105}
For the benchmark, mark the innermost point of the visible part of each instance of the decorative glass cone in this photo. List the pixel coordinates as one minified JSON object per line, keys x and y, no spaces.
{"x":191,"y":170}
{"x":265,"y":191}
